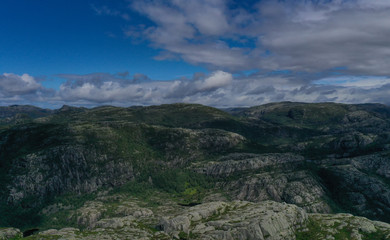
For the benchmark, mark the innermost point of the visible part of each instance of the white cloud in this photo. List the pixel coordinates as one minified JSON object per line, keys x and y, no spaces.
{"x":207,"y":16}
{"x":215,"y":80}
{"x":363,"y":82}
{"x":219,"y":89}
{"x":12,"y":84}
{"x":190,"y":30}
{"x":308,"y":36}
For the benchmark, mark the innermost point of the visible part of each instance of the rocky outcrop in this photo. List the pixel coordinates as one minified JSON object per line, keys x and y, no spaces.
{"x":236,"y":220}
{"x":64,"y":233}
{"x":297,"y":187}
{"x":360,"y":185}
{"x":10,"y":233}
{"x":239,"y":162}
{"x":378,"y":164}
{"x":214,"y":220}
{"x":131,"y":231}
{"x":278,"y":177}
{"x":359,"y":192}
{"x":352,"y":142}
{"x":130,"y":209}
{"x":92,"y":214}
{"x":89,"y":214}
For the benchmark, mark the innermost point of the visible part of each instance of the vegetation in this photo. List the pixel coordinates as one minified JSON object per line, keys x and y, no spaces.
{"x":315,"y":229}
{"x":141,"y":151}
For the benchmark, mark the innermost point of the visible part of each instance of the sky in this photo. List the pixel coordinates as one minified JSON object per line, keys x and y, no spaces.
{"x":221,"y":53}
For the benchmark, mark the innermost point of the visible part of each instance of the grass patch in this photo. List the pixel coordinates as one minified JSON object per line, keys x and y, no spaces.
{"x":378,"y":235}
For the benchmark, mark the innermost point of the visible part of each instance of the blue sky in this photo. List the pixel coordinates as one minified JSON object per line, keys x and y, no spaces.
{"x":45,"y":38}
{"x":216,"y":52}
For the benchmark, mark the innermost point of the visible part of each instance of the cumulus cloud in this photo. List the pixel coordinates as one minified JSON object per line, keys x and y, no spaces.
{"x":23,"y":89}
{"x":13,"y":85}
{"x":103,"y":88}
{"x":298,"y":35}
{"x":106,"y":88}
{"x":215,"y":80}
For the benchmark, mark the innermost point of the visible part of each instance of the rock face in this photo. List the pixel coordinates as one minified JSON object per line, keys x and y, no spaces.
{"x":361,"y":186}
{"x":81,"y":159}
{"x":63,"y":169}
{"x":239,"y":163}
{"x":298,"y":188}
{"x":277,"y":177}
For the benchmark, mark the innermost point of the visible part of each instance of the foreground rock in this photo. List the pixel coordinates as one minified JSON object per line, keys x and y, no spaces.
{"x":214,"y":220}
{"x":10,"y":233}
{"x":238,"y":220}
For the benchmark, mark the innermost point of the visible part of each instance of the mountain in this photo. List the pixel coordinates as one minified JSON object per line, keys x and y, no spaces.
{"x":276,"y":171}
{"x":21,"y":113}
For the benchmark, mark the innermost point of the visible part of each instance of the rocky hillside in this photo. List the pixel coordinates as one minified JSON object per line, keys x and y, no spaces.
{"x":123,"y":217}
{"x":276,"y":171}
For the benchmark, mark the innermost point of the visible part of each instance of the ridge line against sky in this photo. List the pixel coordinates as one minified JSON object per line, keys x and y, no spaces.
{"x":222,"y":53}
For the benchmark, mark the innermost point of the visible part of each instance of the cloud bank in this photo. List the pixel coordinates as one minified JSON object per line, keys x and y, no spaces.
{"x":219,"y":89}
